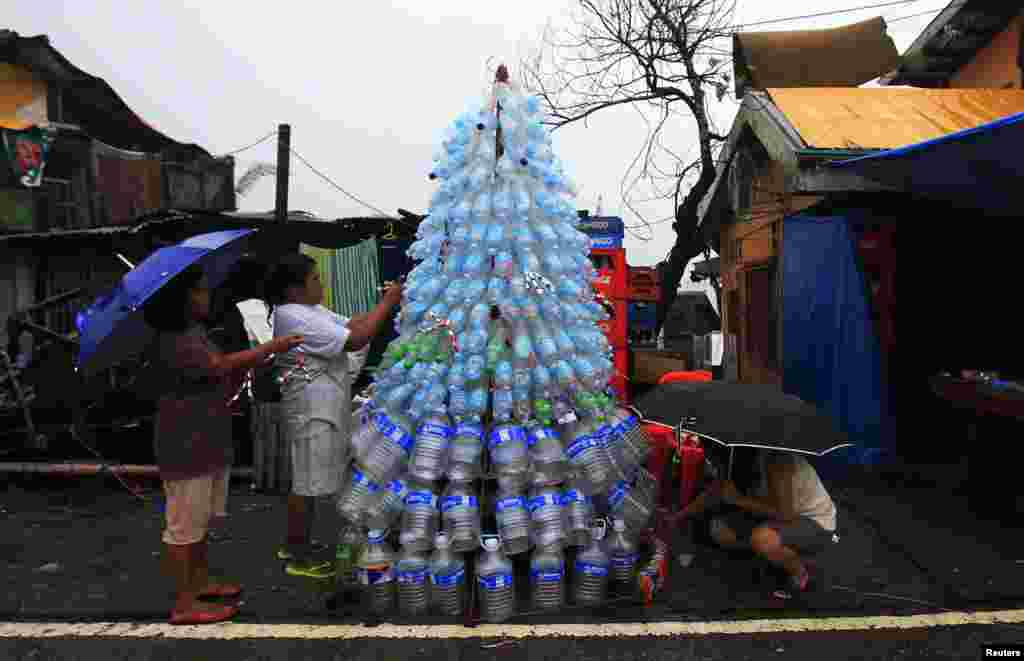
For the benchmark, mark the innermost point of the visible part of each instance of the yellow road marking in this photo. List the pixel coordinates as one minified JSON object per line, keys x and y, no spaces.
{"x":230,"y":630}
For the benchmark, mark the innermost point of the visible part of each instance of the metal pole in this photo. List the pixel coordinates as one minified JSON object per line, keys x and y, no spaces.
{"x":284,"y":152}
{"x":728,"y":475}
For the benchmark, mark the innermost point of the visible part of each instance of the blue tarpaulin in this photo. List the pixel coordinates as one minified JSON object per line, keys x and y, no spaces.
{"x":831,"y":353}
{"x":978,"y":167}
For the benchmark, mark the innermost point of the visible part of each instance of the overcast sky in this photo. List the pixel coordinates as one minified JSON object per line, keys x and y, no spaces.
{"x":367,"y":87}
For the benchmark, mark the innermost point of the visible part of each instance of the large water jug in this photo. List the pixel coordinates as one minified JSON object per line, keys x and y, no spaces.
{"x":513,"y":521}
{"x":447,"y":578}
{"x":622,"y":550}
{"x":429,"y":456}
{"x":376,"y":574}
{"x":389,"y":505}
{"x":547,"y":578}
{"x":632,"y":502}
{"x":579,"y":510}
{"x":467,"y":449}
{"x":419,"y":520}
{"x":497,"y":587}
{"x":586,"y":453}
{"x":636,"y":444}
{"x":356,"y":495}
{"x":591,"y":570}
{"x":411,"y":574}
{"x":507,"y":447}
{"x":460,"y":516}
{"x":547,"y":516}
{"x":547,"y":455}
{"x":388,"y":456}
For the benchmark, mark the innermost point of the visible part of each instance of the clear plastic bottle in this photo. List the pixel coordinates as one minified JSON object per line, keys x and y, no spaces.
{"x":467,"y":449}
{"x":497,"y":585}
{"x":419,"y":520}
{"x":507,"y":446}
{"x":513,"y":521}
{"x":447,"y":578}
{"x":347,"y":552}
{"x":624,"y":556}
{"x":411,"y":574}
{"x":591,"y":571}
{"x":586,"y":453}
{"x":389,"y":505}
{"x":636,"y":444}
{"x":388,"y":455}
{"x":376,"y":573}
{"x":547,"y":516}
{"x":547,"y":455}
{"x":460,"y":516}
{"x":356,"y":495}
{"x":429,"y":457}
{"x":632,"y":503}
{"x":579,"y":510}
{"x":547,"y":578}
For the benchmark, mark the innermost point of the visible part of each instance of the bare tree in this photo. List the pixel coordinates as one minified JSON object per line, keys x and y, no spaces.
{"x":663,"y":58}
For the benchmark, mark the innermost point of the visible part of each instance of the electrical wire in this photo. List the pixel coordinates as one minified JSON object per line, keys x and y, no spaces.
{"x":340,"y":189}
{"x":247,"y":147}
{"x":824,"y":13}
{"x":918,"y":15}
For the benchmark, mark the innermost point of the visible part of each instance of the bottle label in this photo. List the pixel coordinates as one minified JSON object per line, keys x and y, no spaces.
{"x":420,"y":498}
{"x":412,"y":577}
{"x":434,"y":429}
{"x":627,"y":560}
{"x":590,"y":569}
{"x":506,"y":435}
{"x":538,"y":502}
{"x":573,"y":496}
{"x":383,"y":424}
{"x":450,"y":502}
{"x":470,"y":429}
{"x":358,"y":477}
{"x":449,"y":579}
{"x":496,"y":581}
{"x":547,"y":575}
{"x":377,"y":575}
{"x":512,"y":502}
{"x":401,"y":439}
{"x":582,"y":444}
{"x":617,"y":495}
{"x":398,"y":487}
{"x":541,"y":434}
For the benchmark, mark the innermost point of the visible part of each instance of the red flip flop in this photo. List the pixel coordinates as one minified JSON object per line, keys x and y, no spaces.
{"x":221,"y":591}
{"x":204,"y":616}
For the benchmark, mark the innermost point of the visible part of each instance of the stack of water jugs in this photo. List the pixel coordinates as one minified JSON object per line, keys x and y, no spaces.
{"x":549,"y":490}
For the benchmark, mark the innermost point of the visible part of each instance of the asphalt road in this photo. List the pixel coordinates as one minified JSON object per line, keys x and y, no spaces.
{"x":960,"y":642}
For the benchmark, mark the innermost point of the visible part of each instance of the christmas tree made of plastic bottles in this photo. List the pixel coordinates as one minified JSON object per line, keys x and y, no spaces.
{"x":499,"y":354}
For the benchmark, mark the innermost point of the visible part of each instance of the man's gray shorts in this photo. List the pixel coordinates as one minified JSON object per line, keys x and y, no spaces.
{"x":804,"y":535}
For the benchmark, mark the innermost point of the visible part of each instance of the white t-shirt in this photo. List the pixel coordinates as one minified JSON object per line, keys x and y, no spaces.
{"x":328,"y":396}
{"x":810,"y":498}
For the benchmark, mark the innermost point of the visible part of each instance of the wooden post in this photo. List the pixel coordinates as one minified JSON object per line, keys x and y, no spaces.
{"x":284,"y":148}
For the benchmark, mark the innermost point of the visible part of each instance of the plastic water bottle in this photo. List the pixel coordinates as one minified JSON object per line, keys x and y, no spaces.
{"x":497,"y":586}
{"x":346,"y":555}
{"x":447,"y":578}
{"x":411,"y":574}
{"x":547,"y":578}
{"x":547,"y":455}
{"x":429,"y":456}
{"x":547,"y":516}
{"x":634,"y":504}
{"x":460,"y":516}
{"x":376,"y":573}
{"x":419,"y":520}
{"x":622,"y":550}
{"x":585,"y":451}
{"x":579,"y":510}
{"x":356,"y":495}
{"x":365,"y":433}
{"x":507,"y":446}
{"x":591,"y":571}
{"x":466,"y":451}
{"x":513,"y":521}
{"x":389,"y":505}
{"x":636,"y":444}
{"x":388,"y":455}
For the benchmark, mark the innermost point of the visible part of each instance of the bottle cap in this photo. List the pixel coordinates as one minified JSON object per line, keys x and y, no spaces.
{"x":492,"y":544}
{"x":376,"y":535}
{"x":619,"y":525}
{"x":442,"y":541}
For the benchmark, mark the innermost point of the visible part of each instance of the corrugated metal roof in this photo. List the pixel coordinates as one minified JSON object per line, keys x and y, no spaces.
{"x":885,"y":118}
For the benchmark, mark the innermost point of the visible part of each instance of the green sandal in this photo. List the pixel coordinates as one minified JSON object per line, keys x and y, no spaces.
{"x":284,"y":554}
{"x":319,"y":569}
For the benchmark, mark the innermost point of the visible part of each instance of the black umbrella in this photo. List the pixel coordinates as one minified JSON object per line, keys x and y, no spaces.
{"x":736,"y":415}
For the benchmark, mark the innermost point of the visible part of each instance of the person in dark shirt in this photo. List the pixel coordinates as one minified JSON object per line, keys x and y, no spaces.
{"x":192,"y":439}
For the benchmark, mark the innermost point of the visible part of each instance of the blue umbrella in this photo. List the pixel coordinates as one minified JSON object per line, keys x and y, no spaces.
{"x":113,"y":327}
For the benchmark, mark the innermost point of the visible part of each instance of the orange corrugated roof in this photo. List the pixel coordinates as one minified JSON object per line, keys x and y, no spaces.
{"x":886,"y":118}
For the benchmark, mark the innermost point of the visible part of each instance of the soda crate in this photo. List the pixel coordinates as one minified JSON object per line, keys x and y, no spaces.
{"x":615,"y":328}
{"x":650,"y":294}
{"x":643,"y":276}
{"x":611,"y":277}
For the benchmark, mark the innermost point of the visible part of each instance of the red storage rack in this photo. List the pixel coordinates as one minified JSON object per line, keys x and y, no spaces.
{"x":612,"y":273}
{"x":619,"y":382}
